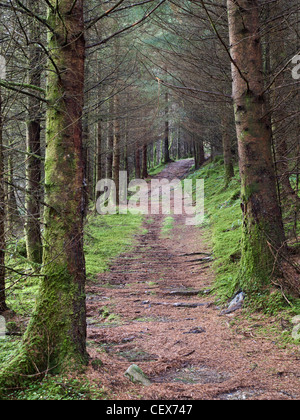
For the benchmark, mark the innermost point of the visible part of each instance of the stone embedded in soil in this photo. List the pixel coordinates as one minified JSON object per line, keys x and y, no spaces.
{"x":240,"y":394}
{"x":135,"y":374}
{"x":196,"y":330}
{"x":184,"y":292}
{"x":188,"y":305}
{"x":176,"y":305}
{"x":235,"y":304}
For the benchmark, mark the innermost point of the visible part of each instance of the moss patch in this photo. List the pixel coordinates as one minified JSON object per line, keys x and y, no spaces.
{"x":168,"y":225}
{"x":107,"y":237}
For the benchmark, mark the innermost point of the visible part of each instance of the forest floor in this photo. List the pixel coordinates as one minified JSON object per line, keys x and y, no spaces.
{"x":153,"y":308}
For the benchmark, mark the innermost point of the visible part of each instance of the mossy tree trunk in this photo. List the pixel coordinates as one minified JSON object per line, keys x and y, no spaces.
{"x":226,"y":143}
{"x":99,"y":170}
{"x":263,"y":237}
{"x":33,"y":160}
{"x":3,"y":306}
{"x":56,"y":336}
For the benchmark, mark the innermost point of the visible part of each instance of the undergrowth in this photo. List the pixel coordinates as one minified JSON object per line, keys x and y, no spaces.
{"x":157,"y":169}
{"x":168,"y":225}
{"x":58,"y":388}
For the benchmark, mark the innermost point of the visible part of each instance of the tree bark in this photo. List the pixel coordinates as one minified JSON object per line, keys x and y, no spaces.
{"x":137,"y":162}
{"x":198,"y":153}
{"x":116,"y":149}
{"x":226,"y":142}
{"x":3,"y":306}
{"x":263,"y":236}
{"x":276,"y":48}
{"x":167,"y":131}
{"x":110,"y":141}
{"x":11,"y":203}
{"x":99,"y":168}
{"x":33,"y":160}
{"x":145,"y":161}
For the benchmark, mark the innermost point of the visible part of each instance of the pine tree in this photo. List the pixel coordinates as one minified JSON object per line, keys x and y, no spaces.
{"x":263,"y":238}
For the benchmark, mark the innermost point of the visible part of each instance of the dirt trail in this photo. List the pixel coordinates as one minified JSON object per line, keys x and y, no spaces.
{"x":176,"y":336}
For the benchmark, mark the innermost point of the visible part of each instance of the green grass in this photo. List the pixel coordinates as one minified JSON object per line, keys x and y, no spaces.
{"x":168,"y":225}
{"x":59,"y":388}
{"x":107,"y":237}
{"x":223,"y":220}
{"x":157,"y":169}
{"x":21,"y":279}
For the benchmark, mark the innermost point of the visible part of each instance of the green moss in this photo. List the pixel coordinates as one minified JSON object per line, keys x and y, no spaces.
{"x":257,"y":264}
{"x":249,"y":190}
{"x":58,"y":388}
{"x":106,"y":237}
{"x":168,"y":225}
{"x":157,"y":169}
{"x":223,"y":225}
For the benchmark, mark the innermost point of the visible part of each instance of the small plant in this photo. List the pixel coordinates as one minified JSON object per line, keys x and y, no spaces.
{"x":168,"y":225}
{"x":106,"y":315}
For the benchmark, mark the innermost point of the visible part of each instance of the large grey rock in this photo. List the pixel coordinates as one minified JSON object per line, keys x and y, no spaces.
{"x":235,"y":304}
{"x":136,"y":375}
{"x":296,"y":329}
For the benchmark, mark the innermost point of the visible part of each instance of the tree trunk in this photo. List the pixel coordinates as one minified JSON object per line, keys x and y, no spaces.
{"x":137,"y":162}
{"x":110,"y":141}
{"x":55,"y":340}
{"x":33,"y":160}
{"x":3,"y":306}
{"x":198,"y":153}
{"x":263,"y":236}
{"x":226,"y":142}
{"x":99,"y":168}
{"x":116,"y":149}
{"x":145,"y":163}
{"x":167,"y":131}
{"x":11,"y":207}
{"x":126,"y":157}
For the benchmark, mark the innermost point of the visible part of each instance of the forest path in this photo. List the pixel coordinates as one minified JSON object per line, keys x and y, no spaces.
{"x":147,"y":310}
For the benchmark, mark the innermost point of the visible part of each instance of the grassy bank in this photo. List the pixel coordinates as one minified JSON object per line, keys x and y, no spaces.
{"x":223,"y":226}
{"x":107,"y":237}
{"x":223,"y":223}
